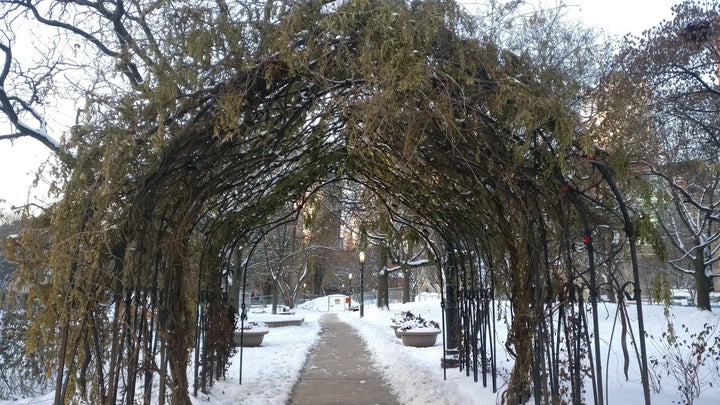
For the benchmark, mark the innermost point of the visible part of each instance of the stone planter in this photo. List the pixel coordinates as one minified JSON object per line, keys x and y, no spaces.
{"x":420,"y":337}
{"x":398,"y":332}
{"x":250,"y":337}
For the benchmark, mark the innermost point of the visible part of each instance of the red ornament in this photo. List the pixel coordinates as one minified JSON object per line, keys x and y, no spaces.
{"x":586,"y":239}
{"x":591,"y":158}
{"x":565,"y":187}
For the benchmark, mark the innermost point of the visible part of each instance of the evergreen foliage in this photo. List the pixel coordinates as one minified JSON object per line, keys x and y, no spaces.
{"x":21,"y":374}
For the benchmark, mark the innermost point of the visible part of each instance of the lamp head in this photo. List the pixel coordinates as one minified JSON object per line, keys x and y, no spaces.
{"x":362,"y":256}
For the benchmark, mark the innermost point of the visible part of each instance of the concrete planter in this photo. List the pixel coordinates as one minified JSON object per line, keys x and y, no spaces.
{"x":420,"y":337}
{"x":250,"y":337}
{"x":398,"y":332}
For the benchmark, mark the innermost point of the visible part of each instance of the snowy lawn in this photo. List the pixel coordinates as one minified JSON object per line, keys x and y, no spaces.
{"x":417,"y":378}
{"x":269,"y":371}
{"x":415,"y":373}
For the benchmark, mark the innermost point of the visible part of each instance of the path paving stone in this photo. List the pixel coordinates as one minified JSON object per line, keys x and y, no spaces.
{"x":339,"y":371}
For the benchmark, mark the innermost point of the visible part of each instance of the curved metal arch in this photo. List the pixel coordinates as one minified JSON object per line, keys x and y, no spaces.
{"x":630,"y":234}
{"x":594,"y":286}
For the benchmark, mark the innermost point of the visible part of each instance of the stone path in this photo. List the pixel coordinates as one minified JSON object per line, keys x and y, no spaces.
{"x":339,"y":370}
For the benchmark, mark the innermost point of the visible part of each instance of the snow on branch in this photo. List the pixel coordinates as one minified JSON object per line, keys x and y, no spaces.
{"x":418,"y":263}
{"x":687,"y":196}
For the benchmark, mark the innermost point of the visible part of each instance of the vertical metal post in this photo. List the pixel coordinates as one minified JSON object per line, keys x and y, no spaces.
{"x":587,"y":240}
{"x":243,"y":307}
{"x":362,"y":283}
{"x":450,"y":309}
{"x":630,"y":234}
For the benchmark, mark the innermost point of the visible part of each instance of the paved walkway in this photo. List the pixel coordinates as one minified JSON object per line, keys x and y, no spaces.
{"x":339,"y":370}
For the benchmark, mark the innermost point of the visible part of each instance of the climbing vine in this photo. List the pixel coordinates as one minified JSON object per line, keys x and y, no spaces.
{"x":237,"y":114}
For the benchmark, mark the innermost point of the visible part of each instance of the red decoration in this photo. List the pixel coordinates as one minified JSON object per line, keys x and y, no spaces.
{"x":591,"y":158}
{"x":586,"y":239}
{"x":565,"y":187}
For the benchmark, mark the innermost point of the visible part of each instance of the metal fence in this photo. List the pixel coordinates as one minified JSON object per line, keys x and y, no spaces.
{"x":369,"y":297}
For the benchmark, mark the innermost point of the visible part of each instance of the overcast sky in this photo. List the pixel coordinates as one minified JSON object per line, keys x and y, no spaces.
{"x":619,"y":17}
{"x":19,"y":160}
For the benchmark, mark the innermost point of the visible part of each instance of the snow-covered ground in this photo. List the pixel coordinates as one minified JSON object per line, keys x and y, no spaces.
{"x":417,"y":378}
{"x":270,"y":371}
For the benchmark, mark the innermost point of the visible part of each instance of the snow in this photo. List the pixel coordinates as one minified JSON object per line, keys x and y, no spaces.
{"x":418,"y":262}
{"x":330,"y":303}
{"x":271,"y":370}
{"x":40,"y":132}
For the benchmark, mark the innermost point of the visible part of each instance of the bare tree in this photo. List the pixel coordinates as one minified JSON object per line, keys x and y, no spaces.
{"x":284,"y":255}
{"x":670,"y":73}
{"x":687,"y":212}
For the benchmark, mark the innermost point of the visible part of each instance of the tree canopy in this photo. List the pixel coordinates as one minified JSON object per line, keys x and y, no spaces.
{"x":664,"y":106}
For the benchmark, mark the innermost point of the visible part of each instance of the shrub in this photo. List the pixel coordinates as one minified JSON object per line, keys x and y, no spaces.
{"x":693,"y":361}
{"x":408,"y":321}
{"x":22,"y":374}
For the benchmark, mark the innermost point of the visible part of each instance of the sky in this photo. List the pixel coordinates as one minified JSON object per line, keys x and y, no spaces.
{"x":618,"y":17}
{"x":270,"y":371}
{"x":20,"y":159}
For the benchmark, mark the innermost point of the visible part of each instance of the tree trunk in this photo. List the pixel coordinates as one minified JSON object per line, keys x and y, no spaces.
{"x":236,"y":285}
{"x":176,"y":324}
{"x":163,"y":372}
{"x":406,"y":284}
{"x":318,"y":274}
{"x":702,"y":284}
{"x":521,"y":337}
{"x":288,"y":297}
{"x":178,"y":359}
{"x":274,"y":297}
{"x":383,"y":294}
{"x":522,"y":259}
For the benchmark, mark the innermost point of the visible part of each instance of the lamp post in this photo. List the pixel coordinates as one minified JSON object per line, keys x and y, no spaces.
{"x":361,"y":256}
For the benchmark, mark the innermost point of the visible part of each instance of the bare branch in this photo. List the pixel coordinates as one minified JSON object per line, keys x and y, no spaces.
{"x":698,"y":78}
{"x":6,"y":66}
{"x":71,"y":28}
{"x":6,"y":107}
{"x":687,"y":197}
{"x":130,"y":69}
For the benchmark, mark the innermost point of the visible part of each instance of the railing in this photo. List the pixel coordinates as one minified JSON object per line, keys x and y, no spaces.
{"x":370,"y":297}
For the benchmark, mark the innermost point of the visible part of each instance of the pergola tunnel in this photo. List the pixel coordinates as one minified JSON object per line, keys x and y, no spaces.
{"x":370,"y":118}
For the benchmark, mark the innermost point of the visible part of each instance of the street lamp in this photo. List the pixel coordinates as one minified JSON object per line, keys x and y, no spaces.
{"x":361,"y":256}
